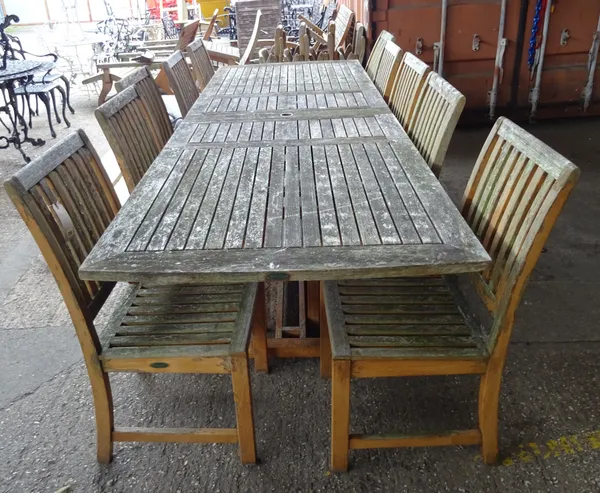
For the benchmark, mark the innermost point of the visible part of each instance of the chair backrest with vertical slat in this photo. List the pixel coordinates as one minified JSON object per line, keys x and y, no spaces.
{"x":149,"y":93}
{"x":202,"y":66}
{"x":377,"y":52}
{"x":126,"y":123}
{"x":387,"y":69}
{"x":514,"y":195}
{"x":181,"y":81}
{"x":407,"y":87}
{"x":67,"y":201}
{"x":247,"y":56}
{"x":436,"y":114}
{"x":344,"y":24}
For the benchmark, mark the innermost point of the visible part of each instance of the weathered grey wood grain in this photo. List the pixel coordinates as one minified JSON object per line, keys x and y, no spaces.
{"x":301,"y":264}
{"x":204,"y":219}
{"x":186,"y":219}
{"x":296,"y":170}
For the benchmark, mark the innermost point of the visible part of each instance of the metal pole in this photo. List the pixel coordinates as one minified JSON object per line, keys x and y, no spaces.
{"x":440,"y":64}
{"x":498,"y":67}
{"x":535,"y":92}
{"x":593,"y":59}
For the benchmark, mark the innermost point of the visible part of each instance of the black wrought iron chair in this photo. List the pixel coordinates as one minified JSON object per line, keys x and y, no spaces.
{"x":45,"y":81}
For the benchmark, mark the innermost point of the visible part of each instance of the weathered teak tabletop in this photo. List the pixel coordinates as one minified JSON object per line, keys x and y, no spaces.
{"x":286,"y":171}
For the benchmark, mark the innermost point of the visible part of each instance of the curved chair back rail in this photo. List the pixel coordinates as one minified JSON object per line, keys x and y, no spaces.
{"x":202,"y":66}
{"x":387,"y":69}
{"x":149,"y":93}
{"x":67,"y":201}
{"x":129,"y":128}
{"x":436,"y":114}
{"x":181,"y":81}
{"x":377,"y":52}
{"x":424,"y":326}
{"x":406,"y":88}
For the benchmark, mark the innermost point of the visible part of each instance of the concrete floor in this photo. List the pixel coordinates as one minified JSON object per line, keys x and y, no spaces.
{"x":550,"y":405}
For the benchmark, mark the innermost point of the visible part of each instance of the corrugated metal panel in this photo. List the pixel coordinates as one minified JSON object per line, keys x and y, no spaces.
{"x":470,"y":50}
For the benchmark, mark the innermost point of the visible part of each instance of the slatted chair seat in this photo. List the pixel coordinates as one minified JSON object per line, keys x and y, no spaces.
{"x":156,"y":324}
{"x":67,"y":201}
{"x":406,"y":319}
{"x":419,"y":327}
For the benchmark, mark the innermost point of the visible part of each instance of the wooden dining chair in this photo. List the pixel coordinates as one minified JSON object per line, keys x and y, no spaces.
{"x":149,"y":93}
{"x":438,"y":108}
{"x":387,"y":69}
{"x":132,"y":134}
{"x":418,"y":326}
{"x":406,"y":87}
{"x":202,"y":66}
{"x":359,"y":43}
{"x":377,"y":52}
{"x":229,"y":58}
{"x":181,"y":81}
{"x":67,"y":201}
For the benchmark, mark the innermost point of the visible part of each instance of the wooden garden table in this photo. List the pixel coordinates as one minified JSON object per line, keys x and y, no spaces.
{"x":294,"y":171}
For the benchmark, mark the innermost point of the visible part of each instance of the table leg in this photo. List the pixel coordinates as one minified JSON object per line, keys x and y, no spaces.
{"x":313,"y":308}
{"x":107,"y":84}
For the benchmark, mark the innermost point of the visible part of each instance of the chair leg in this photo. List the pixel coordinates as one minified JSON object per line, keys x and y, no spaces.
{"x":489,"y":392}
{"x":53,"y":96}
{"x":27,"y":104}
{"x":68,"y":91}
{"x":103,"y":406}
{"x":259,"y":332}
{"x":46,"y":101}
{"x":242,"y":394}
{"x":64,"y":103}
{"x":325,"y":344}
{"x":340,"y":415}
